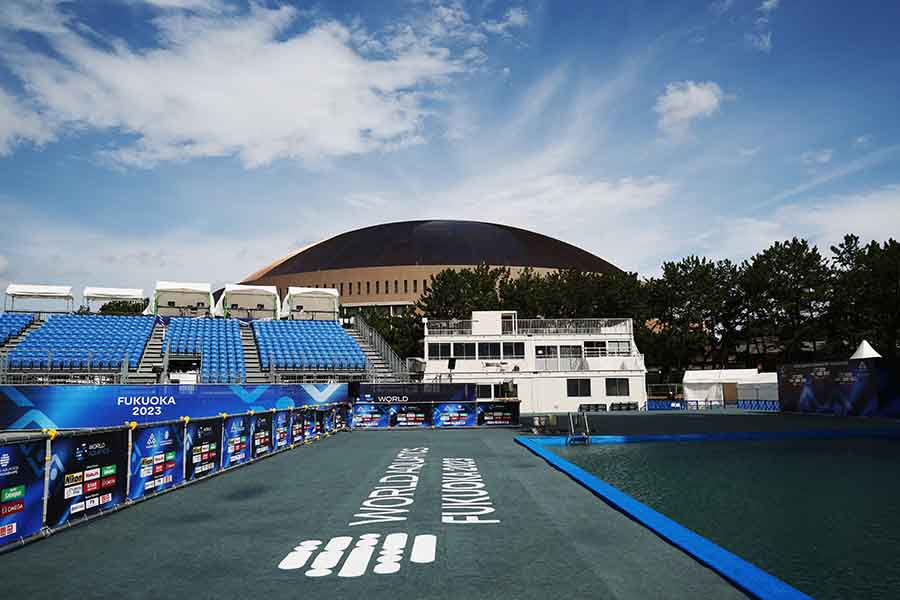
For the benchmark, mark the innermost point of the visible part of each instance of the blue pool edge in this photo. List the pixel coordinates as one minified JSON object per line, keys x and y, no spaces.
{"x":741,"y":573}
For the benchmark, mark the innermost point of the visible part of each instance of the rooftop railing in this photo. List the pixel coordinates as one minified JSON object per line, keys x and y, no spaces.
{"x":460,"y":327}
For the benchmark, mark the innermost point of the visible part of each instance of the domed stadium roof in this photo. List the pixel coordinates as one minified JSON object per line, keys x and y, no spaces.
{"x":436,"y":242}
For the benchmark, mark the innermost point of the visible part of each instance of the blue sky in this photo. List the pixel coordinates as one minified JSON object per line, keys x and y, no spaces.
{"x":198,"y":140}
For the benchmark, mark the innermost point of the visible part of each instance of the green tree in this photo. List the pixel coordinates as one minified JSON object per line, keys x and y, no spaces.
{"x":124,"y":307}
{"x":456,"y":294}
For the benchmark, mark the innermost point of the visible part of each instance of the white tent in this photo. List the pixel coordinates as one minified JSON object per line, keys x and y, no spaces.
{"x":865,"y":351}
{"x":707,"y":385}
{"x":311,"y":303}
{"x":99,"y":293}
{"x":178,"y":298}
{"x":39,"y":292}
{"x":239,"y":300}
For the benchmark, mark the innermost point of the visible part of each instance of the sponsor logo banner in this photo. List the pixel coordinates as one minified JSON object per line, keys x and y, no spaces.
{"x":92,"y":474}
{"x":21,"y":489}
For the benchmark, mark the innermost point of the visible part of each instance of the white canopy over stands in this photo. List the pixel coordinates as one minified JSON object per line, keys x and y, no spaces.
{"x":175,"y":298}
{"x":865,"y":351}
{"x":39,"y":292}
{"x":239,"y":300}
{"x":311,"y":303}
{"x":99,"y":293}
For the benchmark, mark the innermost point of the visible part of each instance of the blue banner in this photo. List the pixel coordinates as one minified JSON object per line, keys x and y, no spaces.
{"x":312,"y":424}
{"x":21,"y":489}
{"x":262,"y":434}
{"x":448,"y":414}
{"x":203,"y":448}
{"x":498,"y":414}
{"x":157,"y":459}
{"x":281,"y":430}
{"x":238,"y":431}
{"x":370,"y":416}
{"x":87,"y":475}
{"x":298,"y":425}
{"x":78,"y":406}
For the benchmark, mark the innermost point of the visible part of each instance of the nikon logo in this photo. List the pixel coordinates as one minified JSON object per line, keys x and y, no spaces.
{"x":388,"y":558}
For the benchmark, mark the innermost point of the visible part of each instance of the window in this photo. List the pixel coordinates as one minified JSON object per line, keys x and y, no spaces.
{"x":570,"y":351}
{"x":378,"y":287}
{"x":513,"y":349}
{"x":387,"y":287}
{"x":594,"y":349}
{"x":424,"y":285}
{"x":406,"y":286}
{"x":368,"y":288}
{"x":396,"y":287}
{"x":545,"y":351}
{"x":358,"y":288}
{"x":466,"y":350}
{"x":350,"y":288}
{"x":415,"y":286}
{"x":616,"y":386}
{"x":488,"y":350}
{"x":579,"y":388}
{"x":483,"y":391}
{"x":342,"y":289}
{"x":438,"y":351}
{"x":506,"y":390}
{"x":618,"y":348}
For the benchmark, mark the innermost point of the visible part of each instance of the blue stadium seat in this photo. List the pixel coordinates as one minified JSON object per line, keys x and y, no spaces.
{"x":217,"y":341}
{"x":12,"y":324}
{"x":307,"y":345}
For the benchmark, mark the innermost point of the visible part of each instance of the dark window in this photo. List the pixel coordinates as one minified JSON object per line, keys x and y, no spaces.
{"x":436,"y":351}
{"x":594,"y":349}
{"x":578,"y":388}
{"x":616,"y":386}
{"x":424,"y":285}
{"x":350,"y":288}
{"x":506,"y":390}
{"x":513,"y":349}
{"x":387,"y":287}
{"x":358,"y":288}
{"x":464,"y":350}
{"x":396,"y":287}
{"x":368,"y":288}
{"x":483,"y":391}
{"x":488,"y":350}
{"x":619,"y":348}
{"x":406,"y":286}
{"x":570,"y":351}
{"x":415,"y":286}
{"x":342,"y":289}
{"x":545,"y":351}
{"x":378,"y":287}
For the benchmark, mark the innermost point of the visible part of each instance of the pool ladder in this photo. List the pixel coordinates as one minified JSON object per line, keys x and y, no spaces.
{"x":578,"y":437}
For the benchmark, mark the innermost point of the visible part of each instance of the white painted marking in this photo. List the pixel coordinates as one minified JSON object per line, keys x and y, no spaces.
{"x":424,"y":549}
{"x":391,"y":554}
{"x":358,"y":560}
{"x":298,"y":557}
{"x":329,"y":558}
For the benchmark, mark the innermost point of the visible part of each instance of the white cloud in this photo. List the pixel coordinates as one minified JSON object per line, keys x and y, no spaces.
{"x":761,"y":36}
{"x":685,"y":102}
{"x":19,"y":123}
{"x":39,"y":16}
{"x":203,"y":5}
{"x":224,"y":84}
{"x":514,"y":18}
{"x":761,"y":40}
{"x":720,"y":7}
{"x":768,"y":6}
{"x":817,"y":157}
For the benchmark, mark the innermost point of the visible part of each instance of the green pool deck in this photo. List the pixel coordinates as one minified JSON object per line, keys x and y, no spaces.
{"x":226,"y":537}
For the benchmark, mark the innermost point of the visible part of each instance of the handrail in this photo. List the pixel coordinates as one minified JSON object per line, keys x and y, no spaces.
{"x":370,"y":335}
{"x":463,"y":327}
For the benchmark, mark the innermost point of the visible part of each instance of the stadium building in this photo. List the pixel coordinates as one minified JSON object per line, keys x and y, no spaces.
{"x":391,"y":265}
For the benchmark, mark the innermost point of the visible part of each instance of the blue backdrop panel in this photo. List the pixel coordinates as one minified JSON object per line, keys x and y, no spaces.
{"x":157,"y":459}
{"x":262,"y":434}
{"x":87,"y":475}
{"x":281,"y":429}
{"x":298,"y":425}
{"x":76,"y":406}
{"x":429,"y":392}
{"x":312,"y":424}
{"x":329,"y":421}
{"x":370,"y":416}
{"x":236,"y":447}
{"x":498,"y":414}
{"x":203,"y":448}
{"x":21,"y":489}
{"x":409,"y":415}
{"x":452,"y":414}
{"x":860,"y":388}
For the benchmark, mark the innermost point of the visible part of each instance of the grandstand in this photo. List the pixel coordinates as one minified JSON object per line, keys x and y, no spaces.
{"x":307,"y":346}
{"x":216,"y":341}
{"x":12,"y":324}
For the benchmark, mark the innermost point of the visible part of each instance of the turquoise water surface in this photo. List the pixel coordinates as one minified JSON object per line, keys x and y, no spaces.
{"x":822,"y":515}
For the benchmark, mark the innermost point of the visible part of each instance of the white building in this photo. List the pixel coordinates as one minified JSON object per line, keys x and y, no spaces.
{"x":550,"y":365}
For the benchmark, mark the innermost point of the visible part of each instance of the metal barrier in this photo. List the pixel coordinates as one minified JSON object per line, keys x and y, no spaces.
{"x":374,"y":339}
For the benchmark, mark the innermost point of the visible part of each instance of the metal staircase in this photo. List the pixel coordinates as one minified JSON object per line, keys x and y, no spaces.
{"x":152,"y":358}
{"x":12,"y":342}
{"x":382,"y":363}
{"x":255,"y":374}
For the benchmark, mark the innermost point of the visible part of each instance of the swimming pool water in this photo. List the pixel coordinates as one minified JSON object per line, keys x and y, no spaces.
{"x":822,"y":515}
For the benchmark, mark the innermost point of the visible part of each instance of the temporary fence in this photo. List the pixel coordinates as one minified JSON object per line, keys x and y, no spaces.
{"x":434,"y":414}
{"x":51,"y":480}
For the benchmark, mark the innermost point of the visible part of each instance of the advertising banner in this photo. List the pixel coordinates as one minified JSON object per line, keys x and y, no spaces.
{"x":262,"y":434}
{"x":21,"y":489}
{"x":498,"y":414}
{"x":454,"y":415}
{"x":409,"y":415}
{"x":340,"y":417}
{"x":87,"y":475}
{"x":202,"y":448}
{"x":237,"y":431}
{"x":419,"y":392}
{"x":80,"y":406}
{"x":312,"y":424}
{"x":858,"y":388}
{"x":281,"y":430}
{"x":370,"y":416}
{"x":298,"y":425}
{"x":329,"y":421}
{"x":157,"y":459}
